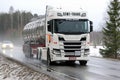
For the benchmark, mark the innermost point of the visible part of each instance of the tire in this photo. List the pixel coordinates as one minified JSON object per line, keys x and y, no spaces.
{"x":83,"y":63}
{"x":30,"y":52}
{"x":26,"y":51}
{"x":39,"y":52}
{"x":48,"y":58}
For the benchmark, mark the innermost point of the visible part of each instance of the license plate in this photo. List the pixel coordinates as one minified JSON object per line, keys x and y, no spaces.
{"x":72,"y":58}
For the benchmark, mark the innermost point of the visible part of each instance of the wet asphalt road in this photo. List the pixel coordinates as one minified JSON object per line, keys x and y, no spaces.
{"x":96,"y":69}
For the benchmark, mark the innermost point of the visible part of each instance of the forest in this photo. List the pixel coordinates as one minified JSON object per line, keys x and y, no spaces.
{"x":13,"y":22}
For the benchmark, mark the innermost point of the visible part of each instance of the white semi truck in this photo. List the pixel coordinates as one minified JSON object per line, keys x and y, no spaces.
{"x":61,"y":35}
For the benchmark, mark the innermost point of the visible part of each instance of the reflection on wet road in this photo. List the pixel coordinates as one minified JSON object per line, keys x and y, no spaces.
{"x":96,"y":69}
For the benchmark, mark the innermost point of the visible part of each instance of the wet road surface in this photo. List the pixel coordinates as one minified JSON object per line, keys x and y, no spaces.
{"x":96,"y":69}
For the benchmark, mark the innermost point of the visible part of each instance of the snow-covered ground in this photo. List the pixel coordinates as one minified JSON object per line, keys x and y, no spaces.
{"x":94,"y":51}
{"x":10,"y":70}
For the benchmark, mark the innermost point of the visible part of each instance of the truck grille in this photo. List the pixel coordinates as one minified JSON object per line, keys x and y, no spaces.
{"x":70,"y":47}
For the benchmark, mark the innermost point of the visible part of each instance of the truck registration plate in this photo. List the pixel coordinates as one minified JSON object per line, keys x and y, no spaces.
{"x":72,"y":58}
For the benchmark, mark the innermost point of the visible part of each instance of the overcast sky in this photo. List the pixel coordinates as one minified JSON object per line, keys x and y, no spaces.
{"x":96,"y":8}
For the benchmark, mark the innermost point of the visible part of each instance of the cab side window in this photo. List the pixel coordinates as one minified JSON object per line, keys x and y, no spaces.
{"x":50,"y":26}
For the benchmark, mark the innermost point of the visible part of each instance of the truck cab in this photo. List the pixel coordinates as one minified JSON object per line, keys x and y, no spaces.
{"x":68,"y":36}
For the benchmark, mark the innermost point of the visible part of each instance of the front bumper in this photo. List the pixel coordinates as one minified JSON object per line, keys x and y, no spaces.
{"x":63,"y":58}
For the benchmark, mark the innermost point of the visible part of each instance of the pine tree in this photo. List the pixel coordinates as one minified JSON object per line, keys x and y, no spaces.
{"x":112,"y":31}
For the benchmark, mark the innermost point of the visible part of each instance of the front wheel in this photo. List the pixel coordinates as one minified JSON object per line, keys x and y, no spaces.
{"x":83,"y":63}
{"x":48,"y":57}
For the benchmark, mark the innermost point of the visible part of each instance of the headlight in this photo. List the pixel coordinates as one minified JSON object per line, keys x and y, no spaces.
{"x":11,"y":46}
{"x":56,"y":51}
{"x":3,"y":46}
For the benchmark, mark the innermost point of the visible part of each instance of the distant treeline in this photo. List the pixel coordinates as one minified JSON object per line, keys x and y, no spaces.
{"x":11,"y":24}
{"x":14,"y":21}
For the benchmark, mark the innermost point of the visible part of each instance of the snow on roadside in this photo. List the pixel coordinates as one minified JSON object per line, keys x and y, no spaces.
{"x":94,"y":51}
{"x":10,"y":70}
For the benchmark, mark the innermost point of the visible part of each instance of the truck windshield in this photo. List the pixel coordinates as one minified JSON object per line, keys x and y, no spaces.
{"x":71,"y":26}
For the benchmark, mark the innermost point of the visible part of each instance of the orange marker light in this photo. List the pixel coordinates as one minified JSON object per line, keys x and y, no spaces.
{"x":49,"y":37}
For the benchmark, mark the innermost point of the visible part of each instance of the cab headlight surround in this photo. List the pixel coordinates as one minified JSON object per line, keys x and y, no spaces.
{"x":56,"y":51}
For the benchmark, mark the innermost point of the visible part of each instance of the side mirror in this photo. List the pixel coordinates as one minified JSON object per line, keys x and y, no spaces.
{"x":91,"y":26}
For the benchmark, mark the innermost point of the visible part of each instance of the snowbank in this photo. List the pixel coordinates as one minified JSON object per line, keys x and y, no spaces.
{"x":10,"y":70}
{"x":94,"y":51}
